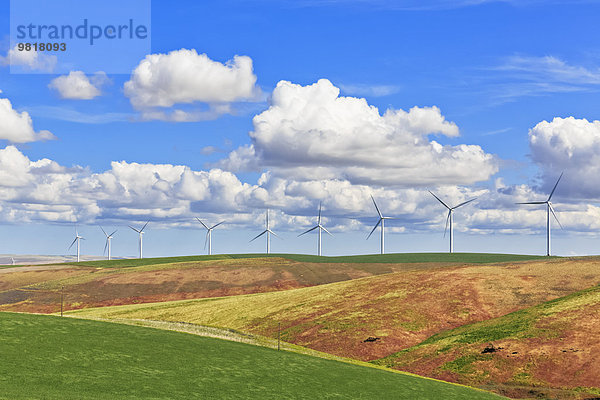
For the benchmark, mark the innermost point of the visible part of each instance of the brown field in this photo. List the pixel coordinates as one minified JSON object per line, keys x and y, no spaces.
{"x":549,"y":351}
{"x":37,"y":288}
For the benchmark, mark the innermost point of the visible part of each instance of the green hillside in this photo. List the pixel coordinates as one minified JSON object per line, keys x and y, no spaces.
{"x":62,"y":358}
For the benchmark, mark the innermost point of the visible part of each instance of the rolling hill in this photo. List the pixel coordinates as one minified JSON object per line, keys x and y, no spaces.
{"x":402,"y":309}
{"x":63,"y":358}
{"x":103,"y":283}
{"x":552,"y":347}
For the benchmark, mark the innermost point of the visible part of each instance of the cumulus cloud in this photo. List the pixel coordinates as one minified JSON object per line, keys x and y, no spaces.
{"x":571,"y":145}
{"x":78,"y":85}
{"x":185,"y":77}
{"x":29,"y":60}
{"x":17,"y":127}
{"x":310,"y":132}
{"x":44,"y":190}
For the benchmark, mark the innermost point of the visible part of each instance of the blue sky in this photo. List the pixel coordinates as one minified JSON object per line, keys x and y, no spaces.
{"x":493,"y":70}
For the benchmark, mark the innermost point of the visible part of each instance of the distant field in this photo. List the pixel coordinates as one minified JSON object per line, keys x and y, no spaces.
{"x":368,"y":258}
{"x":62,"y":358}
{"x":105,"y":283}
{"x":402,"y":309}
{"x":37,"y":288}
{"x":550,"y":347}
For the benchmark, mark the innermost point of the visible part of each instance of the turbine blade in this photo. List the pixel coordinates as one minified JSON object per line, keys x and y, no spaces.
{"x":206,"y":240}
{"x":555,"y":217}
{"x":375,"y":227}
{"x":447,"y":219}
{"x":203,"y":224}
{"x":319,"y":221}
{"x":103,"y":230}
{"x":325,"y":229}
{"x":144,"y":227}
{"x":72,"y":243}
{"x":105,"y":246}
{"x":438,"y":199}
{"x":214,"y":226}
{"x":310,"y":230}
{"x":465,"y":202}
{"x":534,"y":202}
{"x":259,"y":235}
{"x":377,"y":208}
{"x":115,"y":231}
{"x":274,"y":234}
{"x":555,"y":185}
{"x":133,"y":228}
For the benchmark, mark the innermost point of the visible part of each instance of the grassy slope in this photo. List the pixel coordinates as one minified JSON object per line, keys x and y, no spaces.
{"x":551,"y":345}
{"x":367,"y":258}
{"x":59,"y":358}
{"x":402,"y":309}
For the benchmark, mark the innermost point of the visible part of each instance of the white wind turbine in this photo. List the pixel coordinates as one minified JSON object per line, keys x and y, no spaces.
{"x":77,"y":239}
{"x":449,"y":218}
{"x":140,"y":232}
{"x":108,"y":240}
{"x":209,"y":234}
{"x":549,"y":209}
{"x":268,"y":231}
{"x":319,"y":227}
{"x":382,"y":222}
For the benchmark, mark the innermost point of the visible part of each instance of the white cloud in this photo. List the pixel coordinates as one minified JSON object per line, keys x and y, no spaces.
{"x":169,"y":194}
{"x":29,"y":60}
{"x":17,"y":127}
{"x":570,"y":145}
{"x":524,"y":75}
{"x":185,"y":77}
{"x":310,"y":132}
{"x":77,"y":85}
{"x":550,"y":69}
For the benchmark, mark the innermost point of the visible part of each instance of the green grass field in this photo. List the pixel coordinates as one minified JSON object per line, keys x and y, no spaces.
{"x":475,"y":258}
{"x":48,"y":357}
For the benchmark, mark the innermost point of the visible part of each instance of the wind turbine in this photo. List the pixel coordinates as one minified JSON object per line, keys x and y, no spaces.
{"x":77,"y":239}
{"x":209,"y":234}
{"x":449,"y":218}
{"x":549,"y":209}
{"x":319,"y":227}
{"x":140,"y":232}
{"x":382,"y":222}
{"x":108,"y":239}
{"x":269,"y":232}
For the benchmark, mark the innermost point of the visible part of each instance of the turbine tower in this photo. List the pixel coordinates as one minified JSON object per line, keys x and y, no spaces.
{"x":449,"y":218}
{"x":382,"y":222}
{"x":140,"y":232}
{"x":77,"y":239}
{"x":549,"y":209}
{"x":209,"y":234}
{"x":108,"y":239}
{"x":268,"y":231}
{"x":319,"y":227}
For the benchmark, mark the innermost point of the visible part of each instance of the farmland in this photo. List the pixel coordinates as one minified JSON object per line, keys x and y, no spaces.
{"x":62,"y":358}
